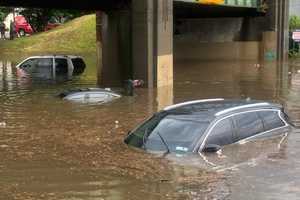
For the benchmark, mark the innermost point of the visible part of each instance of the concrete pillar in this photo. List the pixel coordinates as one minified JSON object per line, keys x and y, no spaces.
{"x":136,"y":43}
{"x":164,"y":43}
{"x":115,"y":34}
{"x":277,"y":21}
{"x":269,"y":45}
{"x":152,"y":41}
{"x":143,"y":62}
{"x":283,"y":29}
{"x":99,"y":44}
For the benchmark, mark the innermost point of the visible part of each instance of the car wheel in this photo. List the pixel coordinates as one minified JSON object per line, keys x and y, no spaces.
{"x":21,"y":32}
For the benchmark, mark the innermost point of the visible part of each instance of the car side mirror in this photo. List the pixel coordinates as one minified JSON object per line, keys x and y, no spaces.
{"x":211,"y":148}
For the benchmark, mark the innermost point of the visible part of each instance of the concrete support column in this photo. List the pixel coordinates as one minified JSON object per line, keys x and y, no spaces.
{"x":143,"y":62}
{"x":164,"y":43}
{"x":283,"y":29}
{"x":276,"y":21}
{"x":99,"y":44}
{"x":137,"y":43}
{"x":152,"y":41}
{"x":115,"y":37}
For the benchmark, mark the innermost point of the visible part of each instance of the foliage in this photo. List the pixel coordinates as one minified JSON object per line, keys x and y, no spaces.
{"x":77,"y":36}
{"x":294,"y":22}
{"x":3,"y":12}
{"x":39,"y":18}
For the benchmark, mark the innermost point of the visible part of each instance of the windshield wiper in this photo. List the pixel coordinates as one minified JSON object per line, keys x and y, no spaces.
{"x":164,"y":142}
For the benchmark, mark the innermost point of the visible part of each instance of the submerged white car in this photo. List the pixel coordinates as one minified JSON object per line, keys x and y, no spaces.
{"x":90,"y":95}
{"x":52,"y":66}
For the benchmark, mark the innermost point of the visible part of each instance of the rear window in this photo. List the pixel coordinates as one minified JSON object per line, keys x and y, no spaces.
{"x":271,"y":120}
{"x":248,"y":124}
{"x":79,"y":66}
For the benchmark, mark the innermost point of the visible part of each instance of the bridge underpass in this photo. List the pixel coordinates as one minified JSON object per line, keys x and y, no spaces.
{"x":135,"y":37}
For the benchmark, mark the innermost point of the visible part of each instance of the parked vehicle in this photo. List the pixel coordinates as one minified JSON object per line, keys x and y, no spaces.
{"x":207,"y":125}
{"x":51,"y":66}
{"x":90,"y":95}
{"x":22,"y":26}
{"x":52,"y":23}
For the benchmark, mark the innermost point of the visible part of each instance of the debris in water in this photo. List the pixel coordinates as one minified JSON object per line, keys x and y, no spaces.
{"x":4,"y":146}
{"x":2,"y":124}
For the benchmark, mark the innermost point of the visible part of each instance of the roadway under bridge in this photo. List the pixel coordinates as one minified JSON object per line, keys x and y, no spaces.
{"x":137,"y":38}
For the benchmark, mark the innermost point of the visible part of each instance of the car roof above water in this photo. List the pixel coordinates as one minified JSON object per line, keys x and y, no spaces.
{"x":55,"y":55}
{"x":219,"y":107}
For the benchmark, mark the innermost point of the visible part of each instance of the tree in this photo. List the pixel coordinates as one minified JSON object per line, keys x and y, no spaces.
{"x":294,"y":22}
{"x":4,"y":12}
{"x":39,"y":18}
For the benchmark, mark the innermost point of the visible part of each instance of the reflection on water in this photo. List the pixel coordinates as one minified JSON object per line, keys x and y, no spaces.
{"x":54,"y":149}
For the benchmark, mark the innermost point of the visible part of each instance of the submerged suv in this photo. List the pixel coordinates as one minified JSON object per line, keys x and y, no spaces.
{"x":51,"y":66}
{"x":207,"y":125}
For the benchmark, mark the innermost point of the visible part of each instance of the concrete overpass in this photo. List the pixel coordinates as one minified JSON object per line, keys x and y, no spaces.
{"x":135,"y":37}
{"x":117,"y":4}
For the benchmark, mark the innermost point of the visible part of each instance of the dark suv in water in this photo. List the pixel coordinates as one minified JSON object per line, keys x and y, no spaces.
{"x":207,"y":125}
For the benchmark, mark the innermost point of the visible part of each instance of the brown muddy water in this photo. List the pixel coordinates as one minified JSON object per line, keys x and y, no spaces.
{"x":53,"y":149}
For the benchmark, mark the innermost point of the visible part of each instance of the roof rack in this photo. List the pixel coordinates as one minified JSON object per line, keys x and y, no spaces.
{"x":191,"y":102}
{"x":240,"y":107}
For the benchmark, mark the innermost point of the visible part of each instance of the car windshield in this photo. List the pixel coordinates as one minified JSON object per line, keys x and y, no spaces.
{"x":168,"y":132}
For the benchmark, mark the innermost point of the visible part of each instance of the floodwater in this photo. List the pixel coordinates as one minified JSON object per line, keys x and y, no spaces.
{"x":53,"y":149}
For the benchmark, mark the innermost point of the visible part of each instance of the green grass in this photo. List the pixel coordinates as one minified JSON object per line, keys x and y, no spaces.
{"x":75,"y":37}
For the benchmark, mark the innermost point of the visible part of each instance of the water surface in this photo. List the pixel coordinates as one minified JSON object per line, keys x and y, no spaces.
{"x":53,"y":149}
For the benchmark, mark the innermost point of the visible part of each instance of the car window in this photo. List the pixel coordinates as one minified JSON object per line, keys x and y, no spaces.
{"x":271,"y":120}
{"x":79,"y":66}
{"x":44,"y":68}
{"x":61,"y":66}
{"x":136,"y":138}
{"x":221,"y":134}
{"x":29,"y":65}
{"x":248,"y":124}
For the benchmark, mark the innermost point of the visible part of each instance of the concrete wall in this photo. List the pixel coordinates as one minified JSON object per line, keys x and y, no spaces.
{"x":210,"y":29}
{"x":214,"y":39}
{"x":192,"y":49}
{"x":246,"y":38}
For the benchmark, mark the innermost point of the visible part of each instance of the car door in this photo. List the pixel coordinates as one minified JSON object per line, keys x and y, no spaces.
{"x":221,"y":134}
{"x":44,"y":68}
{"x":247,"y":125}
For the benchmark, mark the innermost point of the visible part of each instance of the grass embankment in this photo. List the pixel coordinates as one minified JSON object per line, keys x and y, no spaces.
{"x":75,"y":37}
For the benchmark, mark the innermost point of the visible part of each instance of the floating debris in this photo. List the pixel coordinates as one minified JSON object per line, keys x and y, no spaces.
{"x":2,"y":124}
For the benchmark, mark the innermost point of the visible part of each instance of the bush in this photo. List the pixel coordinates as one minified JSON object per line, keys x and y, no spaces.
{"x":294,"y":22}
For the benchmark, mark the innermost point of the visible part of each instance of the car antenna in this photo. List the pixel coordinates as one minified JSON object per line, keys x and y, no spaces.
{"x":164,"y":142}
